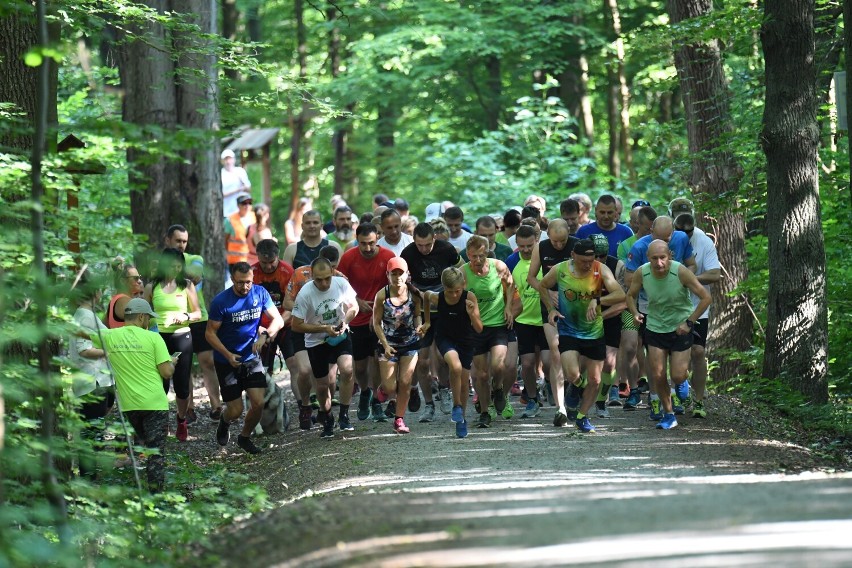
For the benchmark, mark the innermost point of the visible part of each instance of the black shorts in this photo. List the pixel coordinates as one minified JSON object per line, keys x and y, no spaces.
{"x":293,"y":343}
{"x":612,"y":331}
{"x":670,"y":342}
{"x":530,"y":337}
{"x":490,"y":336}
{"x":429,"y":337}
{"x":280,"y":342}
{"x":465,"y":351}
{"x":364,"y":342}
{"x":512,"y":335}
{"x":323,"y":356}
{"x":233,"y":381}
{"x":594,"y":349}
{"x":699,"y":332}
{"x":199,"y":341}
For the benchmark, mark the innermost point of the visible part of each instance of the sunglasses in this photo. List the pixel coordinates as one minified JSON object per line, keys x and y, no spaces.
{"x":640,"y":203}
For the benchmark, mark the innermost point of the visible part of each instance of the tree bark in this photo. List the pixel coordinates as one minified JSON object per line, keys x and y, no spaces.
{"x":797,"y":323}
{"x":342,"y":129}
{"x":197,"y":94}
{"x":385,"y":135}
{"x":230,"y":19}
{"x":573,"y":77}
{"x":714,"y":175}
{"x":613,"y":17}
{"x":494,"y":83}
{"x":18,"y":34}
{"x":297,"y":121}
{"x":613,"y":157}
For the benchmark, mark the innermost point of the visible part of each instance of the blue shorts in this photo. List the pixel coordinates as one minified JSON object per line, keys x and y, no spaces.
{"x":465,"y":351}
{"x":401,"y":351}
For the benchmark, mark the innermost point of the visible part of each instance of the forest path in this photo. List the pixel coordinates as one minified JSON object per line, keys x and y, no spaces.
{"x":707,"y":493}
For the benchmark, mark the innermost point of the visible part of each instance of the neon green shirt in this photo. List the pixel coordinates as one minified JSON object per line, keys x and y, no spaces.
{"x":134,"y":354}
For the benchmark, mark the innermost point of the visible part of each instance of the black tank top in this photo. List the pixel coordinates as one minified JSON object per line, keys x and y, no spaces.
{"x":305,"y":254}
{"x":613,"y":324}
{"x":454,"y":321}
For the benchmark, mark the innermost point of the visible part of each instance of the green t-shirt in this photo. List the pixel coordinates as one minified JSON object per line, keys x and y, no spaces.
{"x":530,"y":298}
{"x":488,"y":290}
{"x":195,"y":269}
{"x":624,"y":248}
{"x":669,"y":303}
{"x":501,"y":238}
{"x":134,"y":354}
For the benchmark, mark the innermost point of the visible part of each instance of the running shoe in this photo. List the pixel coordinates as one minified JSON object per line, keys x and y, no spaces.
{"x":560,"y":420}
{"x":380,"y":395}
{"x":365,"y":397}
{"x":377,"y":413}
{"x":508,"y":410}
{"x":458,"y":414}
{"x":414,"y":400}
{"x":247,"y":445}
{"x":668,"y":422}
{"x":572,"y":398}
{"x":191,"y":416}
{"x":216,"y":414}
{"x":461,"y":429}
{"x":656,"y":410}
{"x":525,"y":398}
{"x":492,"y":411}
{"x":390,"y":409}
{"x":305,"y":415}
{"x":643,"y":384}
{"x":584,"y":425}
{"x":677,"y":405}
{"x":682,"y":392}
{"x":485,"y":420}
{"x":428,"y":414}
{"x":498,"y":399}
{"x":399,"y":426}
{"x":446,"y":400}
{"x":182,"y":432}
{"x":532,"y":409}
{"x":223,"y":432}
{"x":516,"y":389}
{"x":698,"y":410}
{"x":328,"y":430}
{"x":623,"y":390}
{"x":614,"y":398}
{"x":601,"y":410}
{"x":632,"y":402}
{"x":314,"y":402}
{"x":344,"y":424}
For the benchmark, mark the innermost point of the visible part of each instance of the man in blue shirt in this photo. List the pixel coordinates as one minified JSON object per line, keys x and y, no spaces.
{"x":232,"y":330}
{"x":606,"y":224}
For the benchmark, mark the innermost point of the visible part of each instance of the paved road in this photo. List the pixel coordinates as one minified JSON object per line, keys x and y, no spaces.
{"x":526,"y":494}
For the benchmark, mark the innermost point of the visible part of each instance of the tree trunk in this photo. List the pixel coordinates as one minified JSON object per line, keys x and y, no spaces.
{"x":341,"y":128}
{"x":494,"y":82}
{"x":230,"y":19}
{"x":715,"y":173}
{"x":147,"y":77}
{"x":574,"y":87}
{"x":18,"y":84}
{"x":847,"y":45}
{"x":385,"y":131}
{"x":797,"y":323}
{"x":613,"y":17}
{"x":613,"y":157}
{"x":200,"y":205}
{"x":297,"y":114}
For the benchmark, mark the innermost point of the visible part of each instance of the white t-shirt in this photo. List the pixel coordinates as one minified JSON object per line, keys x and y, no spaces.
{"x":93,"y":373}
{"x":404,"y":240}
{"x":231,"y":181}
{"x":323,"y":308}
{"x":513,"y":240}
{"x":461,"y":241}
{"x":706,"y":259}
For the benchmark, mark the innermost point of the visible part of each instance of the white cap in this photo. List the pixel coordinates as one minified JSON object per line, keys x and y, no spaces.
{"x":433,"y":211}
{"x":227,"y":154}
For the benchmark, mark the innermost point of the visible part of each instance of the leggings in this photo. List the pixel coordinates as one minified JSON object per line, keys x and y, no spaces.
{"x":183,"y":370}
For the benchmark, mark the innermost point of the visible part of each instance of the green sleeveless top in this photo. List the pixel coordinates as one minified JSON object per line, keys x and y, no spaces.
{"x":177,"y":301}
{"x":669,"y":303}
{"x":489,"y":294}
{"x":195,"y":266}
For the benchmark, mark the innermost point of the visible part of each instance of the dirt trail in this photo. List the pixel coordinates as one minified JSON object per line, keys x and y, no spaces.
{"x":710,"y":492}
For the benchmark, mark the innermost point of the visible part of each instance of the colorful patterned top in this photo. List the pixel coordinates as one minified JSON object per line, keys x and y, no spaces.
{"x":574,"y":297}
{"x":398,"y":321}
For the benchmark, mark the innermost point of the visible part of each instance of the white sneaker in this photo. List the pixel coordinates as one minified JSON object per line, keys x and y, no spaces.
{"x":602,"y":411}
{"x":446,"y":401}
{"x":428,"y":413}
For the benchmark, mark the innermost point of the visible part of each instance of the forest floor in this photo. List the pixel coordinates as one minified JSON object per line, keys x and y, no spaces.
{"x":741,"y":487}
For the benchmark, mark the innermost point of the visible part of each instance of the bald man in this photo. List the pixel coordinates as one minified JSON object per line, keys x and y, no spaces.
{"x":669,"y":321}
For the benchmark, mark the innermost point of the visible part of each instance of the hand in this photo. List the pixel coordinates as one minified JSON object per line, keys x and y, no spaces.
{"x":175,"y":358}
{"x":592,"y":312}
{"x":335,"y":330}
{"x":552,"y":315}
{"x":389,"y":352}
{"x":683,"y":329}
{"x":639,"y":318}
{"x":423,"y":328}
{"x":365,"y":306}
{"x":510,"y":317}
{"x":233,"y":359}
{"x":260,"y":343}
{"x":470,"y":306}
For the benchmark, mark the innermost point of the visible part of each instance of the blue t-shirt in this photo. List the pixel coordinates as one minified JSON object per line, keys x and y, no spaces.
{"x":615,"y":235}
{"x":512,"y":260}
{"x":240,"y":319}
{"x":679,"y":245}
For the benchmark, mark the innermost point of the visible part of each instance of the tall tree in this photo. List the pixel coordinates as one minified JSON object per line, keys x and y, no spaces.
{"x":797,"y":323}
{"x":715,"y":174}
{"x":618,"y":83}
{"x":298,"y":113}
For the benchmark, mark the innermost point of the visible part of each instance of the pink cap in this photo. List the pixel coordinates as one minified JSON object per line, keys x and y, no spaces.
{"x":397,"y":263}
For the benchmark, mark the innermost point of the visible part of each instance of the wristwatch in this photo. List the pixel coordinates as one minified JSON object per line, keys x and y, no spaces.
{"x":690,"y":324}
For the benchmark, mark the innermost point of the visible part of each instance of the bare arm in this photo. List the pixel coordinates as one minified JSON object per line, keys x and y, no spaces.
{"x":166,"y":369}
{"x":535,"y":266}
{"x":688,"y":279}
{"x":378,"y":329}
{"x":632,"y":295}
{"x":508,"y":292}
{"x":615,"y":293}
{"x":289,"y":253}
{"x":472,"y":307}
{"x":690,"y":264}
{"x":710,"y":276}
{"x":212,"y":337}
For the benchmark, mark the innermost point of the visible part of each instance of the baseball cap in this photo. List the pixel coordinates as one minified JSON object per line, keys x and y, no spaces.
{"x":139,"y":306}
{"x":601,"y":244}
{"x":433,"y":211}
{"x":681,"y":205}
{"x":243,"y":198}
{"x":227,"y":154}
{"x":397,"y":263}
{"x":585,"y":247}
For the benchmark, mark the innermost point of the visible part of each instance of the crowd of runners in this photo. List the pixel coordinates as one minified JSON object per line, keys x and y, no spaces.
{"x":408,"y":319}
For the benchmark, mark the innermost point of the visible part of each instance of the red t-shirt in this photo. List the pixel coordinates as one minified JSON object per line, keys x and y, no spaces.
{"x":275,"y":283}
{"x":366,"y":275}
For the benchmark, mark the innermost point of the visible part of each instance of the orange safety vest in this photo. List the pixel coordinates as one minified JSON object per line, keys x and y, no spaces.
{"x":236,"y":245}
